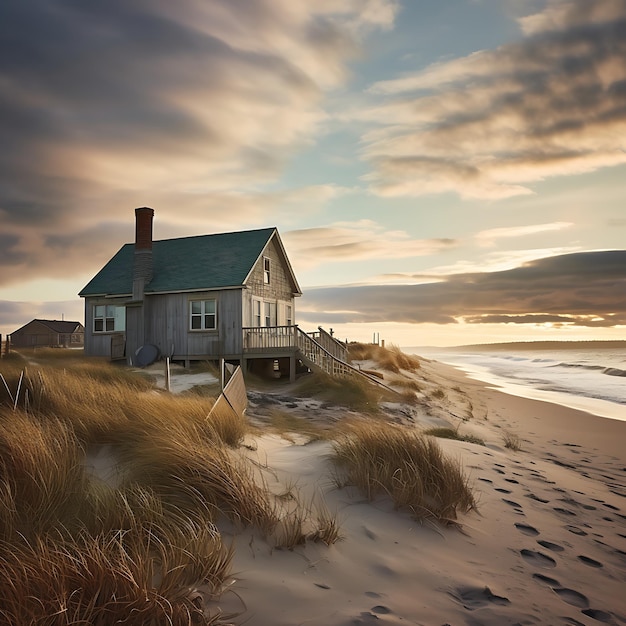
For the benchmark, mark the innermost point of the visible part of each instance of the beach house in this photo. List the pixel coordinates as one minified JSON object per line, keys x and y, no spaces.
{"x":40,"y":333}
{"x":224,"y":296}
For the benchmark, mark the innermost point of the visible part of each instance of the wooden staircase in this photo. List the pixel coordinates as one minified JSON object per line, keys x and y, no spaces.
{"x":321,"y":351}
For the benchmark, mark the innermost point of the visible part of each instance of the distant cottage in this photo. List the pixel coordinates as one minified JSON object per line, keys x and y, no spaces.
{"x":224,"y":296}
{"x":48,"y":334}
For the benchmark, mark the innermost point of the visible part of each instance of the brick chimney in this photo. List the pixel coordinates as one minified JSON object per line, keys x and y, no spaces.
{"x":142,"y":264}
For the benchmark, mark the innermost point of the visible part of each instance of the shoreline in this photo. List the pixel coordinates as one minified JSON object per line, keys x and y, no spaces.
{"x":598,"y":406}
{"x":592,"y":406}
{"x":556,"y":420}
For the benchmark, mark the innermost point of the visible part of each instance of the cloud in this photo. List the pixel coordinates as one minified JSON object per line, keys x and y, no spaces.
{"x":355,"y":241}
{"x":582,"y":289}
{"x":490,"y":236}
{"x":491,"y":124}
{"x":111,"y":105}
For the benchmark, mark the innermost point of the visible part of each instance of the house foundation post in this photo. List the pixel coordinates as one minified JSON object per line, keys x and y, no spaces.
{"x":292,"y":369}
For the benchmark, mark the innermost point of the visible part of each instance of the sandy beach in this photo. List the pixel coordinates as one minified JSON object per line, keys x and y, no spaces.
{"x":547,"y":545}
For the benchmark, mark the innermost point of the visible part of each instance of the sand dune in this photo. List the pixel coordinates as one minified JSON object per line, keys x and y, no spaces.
{"x":548,"y":545}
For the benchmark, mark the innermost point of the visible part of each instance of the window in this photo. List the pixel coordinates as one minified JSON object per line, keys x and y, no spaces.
{"x":269,"y":314}
{"x":202,"y":315}
{"x":108,"y":318}
{"x":256,"y":313}
{"x":288,"y":315}
{"x":266,"y":270}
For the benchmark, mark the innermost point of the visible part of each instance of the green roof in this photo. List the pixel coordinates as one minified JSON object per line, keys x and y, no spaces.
{"x":189,"y":263}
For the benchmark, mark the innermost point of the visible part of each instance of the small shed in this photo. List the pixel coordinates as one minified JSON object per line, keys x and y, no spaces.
{"x":48,"y":334}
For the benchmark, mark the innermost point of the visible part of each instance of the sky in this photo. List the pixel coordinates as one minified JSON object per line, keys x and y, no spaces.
{"x":441,"y":173}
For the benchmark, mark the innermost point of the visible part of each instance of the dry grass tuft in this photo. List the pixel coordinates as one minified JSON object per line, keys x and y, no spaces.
{"x":141,"y":576}
{"x":453,"y":433}
{"x":410,"y":467}
{"x":391,"y":359}
{"x":300,"y":523}
{"x":512,"y":441}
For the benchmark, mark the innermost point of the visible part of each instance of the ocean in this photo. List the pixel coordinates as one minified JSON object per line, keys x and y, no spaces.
{"x":578,"y":375}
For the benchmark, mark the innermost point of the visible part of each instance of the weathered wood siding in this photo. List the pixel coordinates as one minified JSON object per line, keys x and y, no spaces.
{"x":279,"y":291}
{"x":163,"y":320}
{"x":280,"y":287}
{"x":167,"y":325}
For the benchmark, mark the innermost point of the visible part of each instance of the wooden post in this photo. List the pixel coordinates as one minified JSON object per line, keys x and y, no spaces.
{"x":167,"y":373}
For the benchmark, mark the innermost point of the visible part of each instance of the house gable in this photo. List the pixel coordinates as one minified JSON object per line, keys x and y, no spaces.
{"x":282,"y":284}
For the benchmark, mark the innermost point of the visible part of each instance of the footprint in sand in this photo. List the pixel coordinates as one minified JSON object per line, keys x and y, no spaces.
{"x":563,"y":511}
{"x":538,"y":558}
{"x":486,"y":480}
{"x":366,"y":618}
{"x":600,"y":616}
{"x":512,"y":480}
{"x":589,"y":561}
{"x":555,"y":547}
{"x":476,"y":597}
{"x":576,"y":531}
{"x":380,"y":609}
{"x":527,"y":530}
{"x":501,"y":490}
{"x":572,"y":597}
{"x":610,"y":506}
{"x":516,"y":506}
{"x":532,"y":496}
{"x":546,"y":580}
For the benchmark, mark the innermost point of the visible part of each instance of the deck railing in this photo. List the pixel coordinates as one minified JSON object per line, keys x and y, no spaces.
{"x":269,"y":338}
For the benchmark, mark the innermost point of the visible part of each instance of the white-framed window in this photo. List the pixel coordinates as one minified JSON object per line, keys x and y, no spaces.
{"x":269,"y":314}
{"x":288,"y":315}
{"x":267,"y":268}
{"x":202,"y":315}
{"x":256,"y":313}
{"x":108,"y":318}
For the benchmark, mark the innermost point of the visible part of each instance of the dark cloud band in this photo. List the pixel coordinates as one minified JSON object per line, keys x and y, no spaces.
{"x":582,"y":289}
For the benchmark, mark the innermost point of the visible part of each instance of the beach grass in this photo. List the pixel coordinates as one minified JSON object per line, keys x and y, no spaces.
{"x":381,"y":458}
{"x":391,"y":359}
{"x":512,"y":441}
{"x":125,"y":542}
{"x":444,"y":432}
